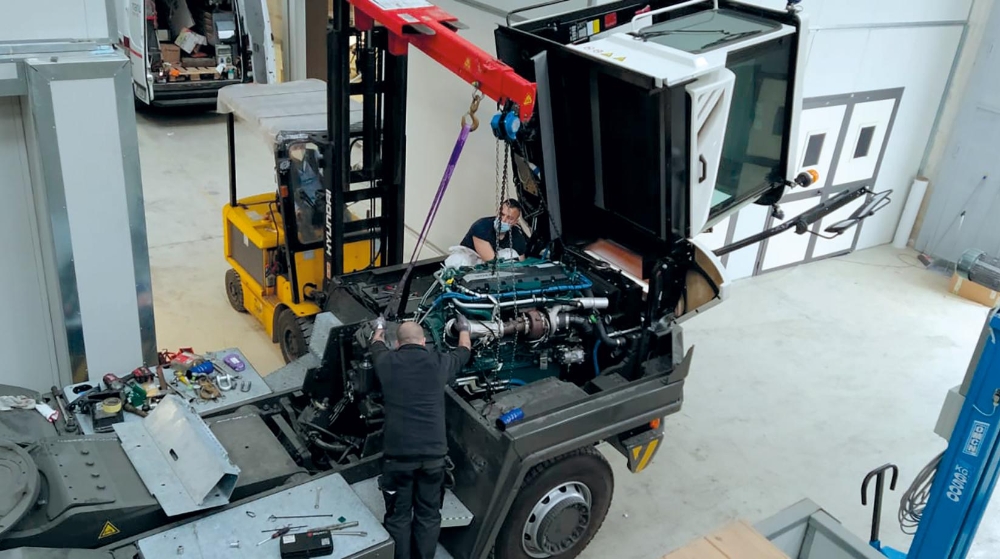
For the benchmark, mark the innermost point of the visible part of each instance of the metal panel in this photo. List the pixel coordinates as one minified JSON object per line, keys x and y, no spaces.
{"x":170,"y":444}
{"x":210,"y":538}
{"x":28,"y":337}
{"x":86,"y":182}
{"x":246,"y":254}
{"x":453,"y":512}
{"x":57,"y":20}
{"x":87,"y":141}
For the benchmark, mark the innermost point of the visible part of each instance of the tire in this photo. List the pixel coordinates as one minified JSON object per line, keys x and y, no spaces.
{"x":293,"y":334}
{"x":558,"y":490}
{"x":234,"y":290}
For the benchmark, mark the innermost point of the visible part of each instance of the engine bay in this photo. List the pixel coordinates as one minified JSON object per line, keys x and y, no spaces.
{"x":570,"y":321}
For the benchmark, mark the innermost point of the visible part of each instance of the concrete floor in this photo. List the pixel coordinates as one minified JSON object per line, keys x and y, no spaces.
{"x":802,"y":382}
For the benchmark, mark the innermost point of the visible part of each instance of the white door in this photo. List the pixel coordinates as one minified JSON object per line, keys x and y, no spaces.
{"x":256,"y":24}
{"x":818,"y":132}
{"x":863,"y":143}
{"x":788,"y":247}
{"x":134,"y":43}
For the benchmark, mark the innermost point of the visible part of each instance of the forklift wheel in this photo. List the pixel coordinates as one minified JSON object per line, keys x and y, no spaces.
{"x":561,"y":505}
{"x":293,"y":335}
{"x":234,"y":289}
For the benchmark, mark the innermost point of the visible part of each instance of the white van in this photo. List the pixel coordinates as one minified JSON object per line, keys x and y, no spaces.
{"x":184,"y":51}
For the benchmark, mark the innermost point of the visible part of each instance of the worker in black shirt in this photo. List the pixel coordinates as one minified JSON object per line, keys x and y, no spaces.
{"x":489,"y":234}
{"x":413,"y":380}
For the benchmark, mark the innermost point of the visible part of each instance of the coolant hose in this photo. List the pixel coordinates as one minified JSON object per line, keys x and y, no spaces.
{"x":605,"y":338}
{"x":330,"y":447}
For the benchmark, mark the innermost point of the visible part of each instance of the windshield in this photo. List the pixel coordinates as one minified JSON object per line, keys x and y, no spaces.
{"x":306,"y":184}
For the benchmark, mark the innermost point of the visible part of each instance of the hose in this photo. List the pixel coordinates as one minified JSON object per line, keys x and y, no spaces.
{"x":603,"y":333}
{"x":597,"y":368}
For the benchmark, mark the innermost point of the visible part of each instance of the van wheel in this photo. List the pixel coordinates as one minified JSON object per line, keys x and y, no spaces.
{"x":293,"y":334}
{"x":234,"y":290}
{"x":560,"y":506}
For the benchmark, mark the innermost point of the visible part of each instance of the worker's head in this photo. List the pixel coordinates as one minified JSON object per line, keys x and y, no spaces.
{"x":510,"y":213}
{"x":410,"y":333}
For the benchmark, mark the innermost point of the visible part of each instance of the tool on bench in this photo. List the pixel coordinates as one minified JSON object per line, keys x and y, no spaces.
{"x":273,"y":518}
{"x":245,"y":386}
{"x":309,"y":544}
{"x":336,"y":527}
{"x":208,"y":389}
{"x":234,"y":362}
{"x":61,"y":403}
{"x":225,"y":382}
{"x":289,"y":527}
{"x":277,"y":534}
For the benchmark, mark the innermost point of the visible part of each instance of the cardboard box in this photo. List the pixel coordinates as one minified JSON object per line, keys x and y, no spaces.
{"x":973,"y":291}
{"x":736,"y":541}
{"x":170,"y":53}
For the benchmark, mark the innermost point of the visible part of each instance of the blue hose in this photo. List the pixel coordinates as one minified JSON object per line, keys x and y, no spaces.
{"x":597,"y":369}
{"x":584,"y":284}
{"x":516,"y":382}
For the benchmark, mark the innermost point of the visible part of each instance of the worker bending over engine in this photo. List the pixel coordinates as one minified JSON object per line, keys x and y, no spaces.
{"x":493,"y":234}
{"x":413,"y":379}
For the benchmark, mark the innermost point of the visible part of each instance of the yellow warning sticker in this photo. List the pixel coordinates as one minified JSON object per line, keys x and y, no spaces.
{"x":108,"y":530}
{"x":595,"y":26}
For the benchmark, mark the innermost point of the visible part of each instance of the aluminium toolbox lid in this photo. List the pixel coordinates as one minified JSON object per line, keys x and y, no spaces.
{"x":19,"y":485}
{"x":289,"y":107}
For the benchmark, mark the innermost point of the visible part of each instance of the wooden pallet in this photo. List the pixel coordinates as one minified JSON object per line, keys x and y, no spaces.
{"x":193,"y":74}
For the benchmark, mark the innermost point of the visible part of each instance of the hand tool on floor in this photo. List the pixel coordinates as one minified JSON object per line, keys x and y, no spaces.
{"x":277,"y":534}
{"x":273,"y":518}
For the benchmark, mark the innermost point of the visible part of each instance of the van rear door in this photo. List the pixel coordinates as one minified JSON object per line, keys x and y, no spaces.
{"x":256,"y":25}
{"x":134,"y":43}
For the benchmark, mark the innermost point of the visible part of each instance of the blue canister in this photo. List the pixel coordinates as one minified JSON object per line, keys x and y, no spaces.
{"x":513,"y":416}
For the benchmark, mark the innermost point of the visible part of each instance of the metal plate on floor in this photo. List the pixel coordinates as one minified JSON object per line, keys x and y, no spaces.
{"x":453,"y":512}
{"x":213,"y":537}
{"x":179,"y":459}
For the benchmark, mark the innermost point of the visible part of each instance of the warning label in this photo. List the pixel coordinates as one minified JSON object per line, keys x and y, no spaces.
{"x":108,"y":530}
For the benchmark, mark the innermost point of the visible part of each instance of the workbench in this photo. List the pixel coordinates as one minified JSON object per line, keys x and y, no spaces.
{"x":235,"y":533}
{"x":257,"y":388}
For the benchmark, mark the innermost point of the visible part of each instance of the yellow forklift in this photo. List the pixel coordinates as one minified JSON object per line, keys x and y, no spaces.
{"x":285,"y":246}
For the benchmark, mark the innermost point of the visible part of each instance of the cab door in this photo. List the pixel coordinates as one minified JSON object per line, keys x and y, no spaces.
{"x":255,"y":25}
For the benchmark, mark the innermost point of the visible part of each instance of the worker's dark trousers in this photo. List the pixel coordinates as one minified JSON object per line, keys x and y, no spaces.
{"x":413,"y":492}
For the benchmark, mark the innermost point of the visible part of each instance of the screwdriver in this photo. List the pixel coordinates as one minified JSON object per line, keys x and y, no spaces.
{"x":277,"y":534}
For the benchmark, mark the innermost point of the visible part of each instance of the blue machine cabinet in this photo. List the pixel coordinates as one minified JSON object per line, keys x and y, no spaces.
{"x":968,"y":470}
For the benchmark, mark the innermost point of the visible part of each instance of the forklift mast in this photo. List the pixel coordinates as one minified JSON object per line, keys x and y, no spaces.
{"x":382,"y":67}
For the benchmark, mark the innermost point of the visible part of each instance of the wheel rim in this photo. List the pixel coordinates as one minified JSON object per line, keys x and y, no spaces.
{"x":234,"y":293}
{"x":558,"y":520}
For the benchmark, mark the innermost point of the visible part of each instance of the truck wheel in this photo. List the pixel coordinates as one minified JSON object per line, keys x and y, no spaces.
{"x":560,"y":506}
{"x":293,"y":335}
{"x":234,"y":290}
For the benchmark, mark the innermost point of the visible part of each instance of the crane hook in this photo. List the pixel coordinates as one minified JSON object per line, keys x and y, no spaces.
{"x":477,"y":96}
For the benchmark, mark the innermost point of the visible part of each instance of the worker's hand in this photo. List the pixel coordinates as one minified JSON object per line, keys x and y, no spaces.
{"x":462,"y":323}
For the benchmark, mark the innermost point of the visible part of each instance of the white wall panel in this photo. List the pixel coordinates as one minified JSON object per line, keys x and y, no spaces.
{"x":843,"y":242}
{"x":715,"y":238}
{"x":836,"y":13}
{"x":751,"y":220}
{"x":36,"y":20}
{"x":25,"y":331}
{"x":919,"y":59}
{"x":91,"y":156}
{"x":873,"y":116}
{"x":825,"y":122}
{"x":788,"y":247}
